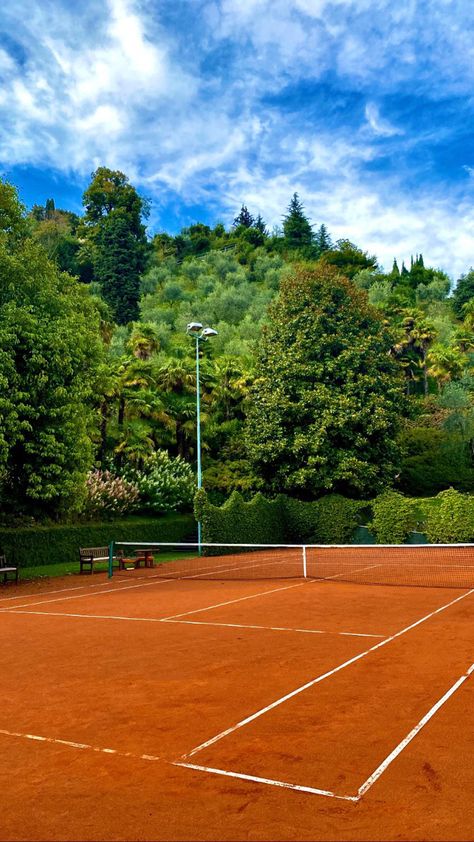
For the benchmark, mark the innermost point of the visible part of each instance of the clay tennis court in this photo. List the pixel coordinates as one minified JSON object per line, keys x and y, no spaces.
{"x":155,"y":707}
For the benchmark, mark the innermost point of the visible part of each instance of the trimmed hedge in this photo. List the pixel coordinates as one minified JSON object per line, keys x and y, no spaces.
{"x":35,"y":546}
{"x":452,"y":520}
{"x":330,"y":520}
{"x":393,"y":518}
{"x":447,"y":518}
{"x":260,"y":521}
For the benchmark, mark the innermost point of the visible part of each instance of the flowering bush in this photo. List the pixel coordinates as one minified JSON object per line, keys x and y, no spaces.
{"x":108,"y":495}
{"x":165,"y":484}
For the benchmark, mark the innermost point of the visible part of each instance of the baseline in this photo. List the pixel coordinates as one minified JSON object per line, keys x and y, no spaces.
{"x":364,"y":788}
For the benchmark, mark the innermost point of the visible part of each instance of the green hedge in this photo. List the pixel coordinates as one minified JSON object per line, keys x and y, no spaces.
{"x":260,"y":521}
{"x":446,"y":518}
{"x":35,"y":546}
{"x":452,"y":520}
{"x":330,"y":520}
{"x":393,"y":518}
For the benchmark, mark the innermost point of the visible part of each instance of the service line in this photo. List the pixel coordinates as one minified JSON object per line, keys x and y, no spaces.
{"x":269,"y":628}
{"x":320,"y":678}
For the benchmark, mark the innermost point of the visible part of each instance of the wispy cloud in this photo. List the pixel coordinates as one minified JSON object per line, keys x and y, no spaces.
{"x":363,"y":106}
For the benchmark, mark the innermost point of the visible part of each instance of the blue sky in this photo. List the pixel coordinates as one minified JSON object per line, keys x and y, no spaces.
{"x":365,"y":107}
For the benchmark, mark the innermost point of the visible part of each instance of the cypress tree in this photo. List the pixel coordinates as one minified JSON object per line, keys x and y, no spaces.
{"x":297,"y":229}
{"x":244,"y":218}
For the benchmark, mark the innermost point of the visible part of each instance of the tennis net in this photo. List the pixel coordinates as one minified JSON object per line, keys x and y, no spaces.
{"x":424,"y":565}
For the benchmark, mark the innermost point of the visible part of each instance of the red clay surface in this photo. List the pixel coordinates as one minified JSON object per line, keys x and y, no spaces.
{"x":155,"y":668}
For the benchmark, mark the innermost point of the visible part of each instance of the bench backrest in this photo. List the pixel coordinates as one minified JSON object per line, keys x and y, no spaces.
{"x":94,"y":552}
{"x":4,"y":564}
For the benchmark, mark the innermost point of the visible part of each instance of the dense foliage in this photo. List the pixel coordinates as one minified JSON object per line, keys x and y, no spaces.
{"x":97,"y":373}
{"x":331,"y":519}
{"x":327,"y":395}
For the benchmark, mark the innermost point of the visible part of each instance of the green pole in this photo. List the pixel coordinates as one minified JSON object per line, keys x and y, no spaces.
{"x":111,"y":559}
{"x":198,"y":427}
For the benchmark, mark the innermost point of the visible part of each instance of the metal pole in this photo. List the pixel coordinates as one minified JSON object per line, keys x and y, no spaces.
{"x":198,"y":426}
{"x":111,"y":559}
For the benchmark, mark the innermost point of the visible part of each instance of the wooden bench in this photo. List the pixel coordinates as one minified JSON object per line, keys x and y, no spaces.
{"x":89,"y":556}
{"x":6,"y":569}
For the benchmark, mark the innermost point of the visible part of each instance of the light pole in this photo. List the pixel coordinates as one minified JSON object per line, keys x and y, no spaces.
{"x":200,"y":334}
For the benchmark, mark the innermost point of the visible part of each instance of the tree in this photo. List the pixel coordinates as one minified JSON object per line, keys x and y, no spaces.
{"x":463,"y":293}
{"x":118,"y":264}
{"x":349,"y":259}
{"x":327,"y":395}
{"x":322,"y":240}
{"x":50,"y":352}
{"x":297,"y":229}
{"x":244,"y":218}
{"x":113,"y":226}
{"x":260,"y":225}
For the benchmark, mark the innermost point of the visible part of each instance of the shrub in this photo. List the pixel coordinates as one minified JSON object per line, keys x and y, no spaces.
{"x":452,"y":520}
{"x":41,"y":545}
{"x":393,"y":517}
{"x":108,"y":495}
{"x":331,"y":519}
{"x":165,"y":484}
{"x":260,"y":521}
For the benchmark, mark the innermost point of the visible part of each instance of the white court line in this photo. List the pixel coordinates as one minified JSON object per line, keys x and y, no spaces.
{"x":399,"y":748}
{"x":268,"y":628}
{"x":239,"y":599}
{"x":58,"y":590}
{"x":320,"y":678}
{"x":269,"y":781}
{"x":71,"y":744}
{"x":183,"y":622}
{"x":13,"y":608}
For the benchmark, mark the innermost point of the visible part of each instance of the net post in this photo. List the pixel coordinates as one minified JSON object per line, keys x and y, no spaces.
{"x":111,"y":559}
{"x":305,"y":576}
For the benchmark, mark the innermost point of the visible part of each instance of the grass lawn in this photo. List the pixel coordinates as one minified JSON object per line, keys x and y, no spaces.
{"x":71,"y":568}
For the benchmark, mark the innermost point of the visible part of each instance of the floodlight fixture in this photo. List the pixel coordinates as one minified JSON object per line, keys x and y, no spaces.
{"x":208,"y":331}
{"x":193,"y":327}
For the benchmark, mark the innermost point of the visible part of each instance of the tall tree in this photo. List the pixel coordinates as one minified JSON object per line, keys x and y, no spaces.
{"x":297,"y":229}
{"x":322,"y":240}
{"x":50,"y":352}
{"x":327,"y":394}
{"x":113,"y":224}
{"x":244,"y":218}
{"x":463,"y":293}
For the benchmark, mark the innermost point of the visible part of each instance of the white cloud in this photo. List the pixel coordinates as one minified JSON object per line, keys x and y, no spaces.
{"x":377,"y":123}
{"x":112,"y":83}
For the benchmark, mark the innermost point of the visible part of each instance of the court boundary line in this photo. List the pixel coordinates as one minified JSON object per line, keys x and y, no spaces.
{"x":270,"y":628}
{"x":371,"y":780}
{"x":319,"y":678}
{"x":362,"y":790}
{"x":186,"y":622}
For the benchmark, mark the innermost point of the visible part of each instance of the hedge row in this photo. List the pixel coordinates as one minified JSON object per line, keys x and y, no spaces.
{"x":330,"y":520}
{"x":35,"y":546}
{"x":447,"y":518}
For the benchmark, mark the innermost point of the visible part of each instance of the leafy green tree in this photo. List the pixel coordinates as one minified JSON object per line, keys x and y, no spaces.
{"x":463,"y":293}
{"x":113,"y":226}
{"x":349,"y":259}
{"x":118,"y":264}
{"x":297,"y":229}
{"x":50,"y":352}
{"x":327,"y":395}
